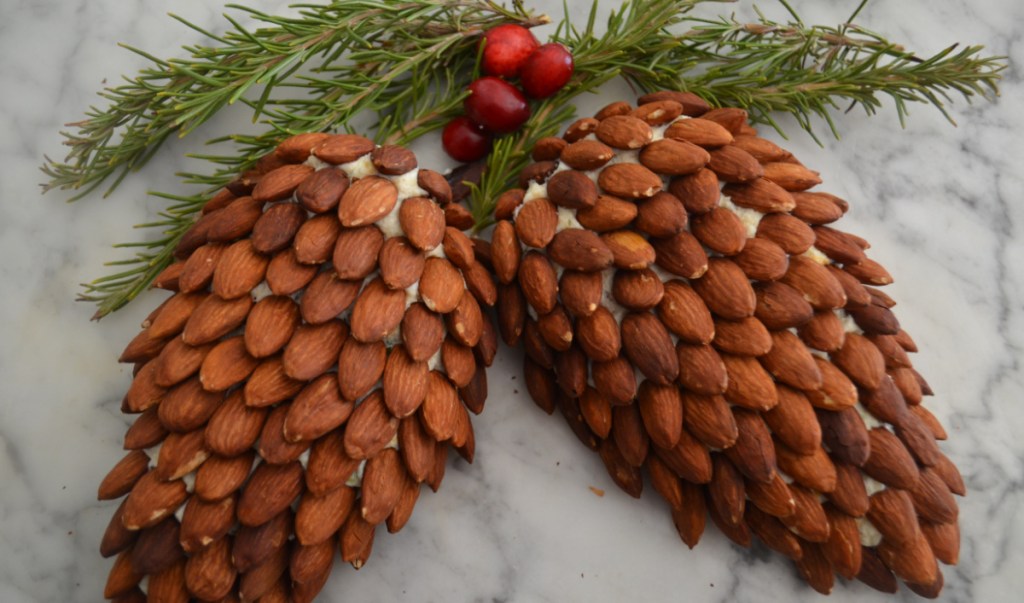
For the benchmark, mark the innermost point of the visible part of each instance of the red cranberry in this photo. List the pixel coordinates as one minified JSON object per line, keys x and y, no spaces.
{"x":496,"y":105}
{"x":546,"y":70}
{"x":465,"y":141}
{"x":505,"y":50}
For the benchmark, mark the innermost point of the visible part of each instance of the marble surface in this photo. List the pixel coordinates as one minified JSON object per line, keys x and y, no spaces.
{"x":941,"y":205}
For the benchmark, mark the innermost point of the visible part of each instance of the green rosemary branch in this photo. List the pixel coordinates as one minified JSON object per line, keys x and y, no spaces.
{"x":366,"y":49}
{"x":810,"y":71}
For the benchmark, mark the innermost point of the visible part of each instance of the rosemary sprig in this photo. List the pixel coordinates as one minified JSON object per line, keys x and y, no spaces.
{"x":367,"y":49}
{"x":409,"y":61}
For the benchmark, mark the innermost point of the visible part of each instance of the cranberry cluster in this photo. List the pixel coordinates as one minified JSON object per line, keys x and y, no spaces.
{"x":494,"y":105}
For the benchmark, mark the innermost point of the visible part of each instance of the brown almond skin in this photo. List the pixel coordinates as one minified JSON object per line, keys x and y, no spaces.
{"x":629,"y":181}
{"x":271,"y":489}
{"x":586,"y":154}
{"x":701,"y":369}
{"x":750,"y":385}
{"x":726,"y":492}
{"x":760,"y":194}
{"x":745,"y":337}
{"x":733,"y":164}
{"x":365,"y":364}
{"x":685,"y":314}
{"x":198,"y":270}
{"x":845,"y":435}
{"x":296,"y":149}
{"x":393,"y":160}
{"x":861,"y":361}
{"x":792,"y":234}
{"x":720,"y":230}
{"x":227,"y":364}
{"x":270,"y":325}
{"x":791,"y":176}
{"x":507,"y":202}
{"x":400,"y":263}
{"x":816,"y":208}
{"x":441,"y":286}
{"x":151,"y":500}
{"x":692,"y":104}
{"x":690,"y":519}
{"x":630,"y":251}
{"x":578,"y":249}
{"x":771,"y":532}
{"x":616,"y":380}
{"x":663,"y":215}
{"x":699,"y":192}
{"x":326,"y":297}
{"x":598,"y":335}
{"x":505,"y":251}
{"x":890,"y":463}
{"x":629,"y":435}
{"x":277,"y":226}
{"x":210,"y":574}
{"x":580,"y":291}
{"x":317,"y":410}
{"x":793,"y":421}
{"x":146,"y":431}
{"x":280,"y":183}
{"x":204,"y":522}
{"x":343,"y":148}
{"x":661,"y":409}
{"x":321,"y":192}
{"x":726,"y":290}
{"x":572,"y":189}
{"x":219,"y":476}
{"x":658,"y":112}
{"x":648,"y":346}
{"x":423,"y":222}
{"x":673,"y":157}
{"x":780,"y":306}
{"x":689,"y":459}
{"x":637,"y":289}
{"x":701,"y":132}
{"x":377,"y":312}
{"x":329,"y":465}
{"x":369,"y":428}
{"x":597,"y":412}
{"x":773,"y":497}
{"x":355,"y":252}
{"x":730,"y":118}
{"x":548,"y":148}
{"x":791,"y":363}
{"x":123,"y":475}
{"x":536,"y":222}
{"x":608,"y":213}
{"x":823,"y":332}
{"x":366,"y":201}
{"x":814,"y":471}
{"x":753,"y":454}
{"x":624,"y":132}
{"x":404,"y":383}
{"x":681,"y":255}
{"x":383,"y":482}
{"x":315,"y":240}
{"x":313,"y":349}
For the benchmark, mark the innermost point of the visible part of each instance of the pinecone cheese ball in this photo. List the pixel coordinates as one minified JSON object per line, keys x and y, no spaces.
{"x":323,"y":348}
{"x":684,"y":301}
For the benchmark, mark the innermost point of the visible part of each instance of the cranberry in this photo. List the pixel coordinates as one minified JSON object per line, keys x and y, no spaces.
{"x":496,"y":105}
{"x":546,"y":70}
{"x":505,"y":50}
{"x":465,"y":141}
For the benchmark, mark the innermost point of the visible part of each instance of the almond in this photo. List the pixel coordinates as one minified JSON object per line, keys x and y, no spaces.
{"x":578,"y":249}
{"x":356,"y":251}
{"x":383,"y":482}
{"x":845,"y":435}
{"x":572,"y":189}
{"x":780,"y":306}
{"x":235,"y":426}
{"x":944,"y":539}
{"x":699,"y":191}
{"x":364,"y":364}
{"x":615,"y":108}
{"x":280,"y":183}
{"x":329,"y":465}
{"x":197,"y":273}
{"x":808,"y":521}
{"x":536,"y":172}
{"x":753,"y":454}
{"x":220,"y":477}
{"x":726,"y":290}
{"x":932,"y":499}
{"x":615,"y":379}
{"x":580,"y":291}
{"x":637,"y":289}
{"x":762,"y":149}
{"x":277,"y":227}
{"x":548,"y":148}
{"x":648,"y":346}
{"x":630,"y":251}
{"x":316,"y":410}
{"x":789,"y":233}
{"x":750,"y":385}
{"x":671,"y":157}
{"x":720,"y":230}
{"x":269,"y":384}
{"x":511,"y":313}
{"x":151,"y":500}
{"x":321,"y":192}
{"x":507,"y":202}
{"x":537,"y":222}
{"x":313,"y":349}
{"x":692,"y":104}
{"x":701,"y":369}
{"x":286,"y":275}
{"x":505,"y":251}
{"x":685,"y":314}
{"x":325,"y":298}
{"x":271,"y":489}
{"x":205,"y":522}
{"x":658,"y":112}
{"x":598,"y":335}
{"x":869,"y":272}
{"x":480,"y":283}
{"x":709,"y":419}
{"x":681,"y":255}
{"x":123,"y":578}
{"x":270,"y":325}
{"x":689,"y":519}
{"x":370,"y":427}
{"x":233,"y":222}
{"x":143,"y":393}
{"x":791,"y":176}
{"x":663,"y":215}
{"x":556,"y":329}
{"x":629,"y":435}
{"x":458,"y":362}
{"x":665,"y":481}
{"x":814,"y":471}
{"x":629,"y":181}
{"x":368,"y":199}
{"x":263,"y":581}
{"x":296,"y":149}
{"x":586,"y":154}
{"x":890,"y":463}
{"x":209,"y":574}
{"x":180,"y":454}
{"x":188,"y":405}
{"x":744,"y":337}
{"x":733,"y":164}
{"x":823,"y":332}
{"x":700,"y":132}
{"x":423,"y":222}
{"x":816,"y":208}
{"x":466,"y":321}
{"x":793,"y":421}
{"x":624,"y":132}
{"x":791,"y":363}
{"x":726,"y":491}
{"x":861,"y":361}
{"x":227,"y":364}
{"x":404,"y":383}
{"x":314,"y":242}
{"x":608,"y":213}
{"x":761,"y":195}
{"x":441,"y":286}
{"x":393,"y":160}
{"x":571,"y":370}
{"x":772,"y":497}
{"x":343,"y":148}
{"x":689,"y":459}
{"x":416,"y":448}
{"x":815,"y":568}
{"x":255,"y":545}
{"x":378,"y":311}
{"x":597,"y":412}
{"x":123,"y":475}
{"x":773,"y":533}
{"x":400,"y":264}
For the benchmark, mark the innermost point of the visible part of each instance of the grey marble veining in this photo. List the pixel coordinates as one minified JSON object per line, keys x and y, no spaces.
{"x":941,"y":206}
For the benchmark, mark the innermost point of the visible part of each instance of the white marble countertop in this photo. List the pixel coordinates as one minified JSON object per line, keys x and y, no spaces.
{"x":942,"y":207}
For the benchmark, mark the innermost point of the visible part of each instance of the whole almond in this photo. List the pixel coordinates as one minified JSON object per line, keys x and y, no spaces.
{"x":400,"y":263}
{"x":234,"y":426}
{"x":422,"y":221}
{"x":819,"y":287}
{"x":762,"y":259}
{"x":689,"y":458}
{"x":188,"y":405}
{"x":343,"y":148}
{"x":720,"y":230}
{"x":890,"y":463}
{"x":393,"y":160}
{"x":416,"y":447}
{"x":597,"y":412}
{"x":422,"y":332}
{"x":622,"y":473}
{"x":730,"y":118}
{"x":377,"y":311}
{"x":280,"y":183}
{"x":629,"y":181}
{"x":701,"y":369}
{"x":672,"y":157}
{"x":814,"y":471}
{"x":227,"y":364}
{"x":658,"y":112}
{"x":792,"y":234}
{"x":438,"y":411}
{"x":151,"y":500}
{"x":616,"y":379}
{"x":624,"y":132}
{"x":123,"y":578}
{"x":368,"y":199}
{"x":630,"y":251}
{"x":637,"y":289}
{"x":356,"y":251}
{"x":548,"y":148}
{"x":286,"y":275}
{"x":277,"y":226}
{"x":733,"y":164}
{"x":536,"y":222}
{"x":319,"y":517}
{"x":869,"y":272}
{"x":441,"y":286}
{"x":269,"y":384}
{"x":744,"y":337}
{"x":466,"y":321}
{"x":726,"y":290}
{"x":648,"y":346}
{"x":774,"y":534}
{"x":681,"y":255}
{"x":296,"y":149}
{"x":435,"y":185}
{"x":791,"y":176}
{"x":143,"y":393}
{"x":383,"y":480}
{"x":507,"y":202}
{"x":179,"y":361}
{"x":219,"y":477}
{"x":329,"y":465}
{"x":270,"y":325}
{"x":780,"y":306}
{"x":726,"y":492}
{"x":572,"y":189}
{"x":205,"y":522}
{"x":685,"y":314}
{"x":313,"y":349}
{"x":321,"y":192}
{"x":315,"y":240}
{"x":580,"y":291}
{"x":233,"y":222}
{"x":370,"y":427}
{"x":556,"y":329}
{"x":816,"y":208}
{"x":608,"y":213}
{"x":209,"y":574}
{"x":791,"y":363}
{"x":629,"y":435}
{"x":198,"y":270}
{"x":578,"y":249}
{"x":701,"y":132}
{"x":699,"y":191}
{"x":690,"y":518}
{"x":663,"y":215}
{"x":586,"y":154}
{"x":505,"y":251}
{"x":318,"y":409}
{"x":809,"y":521}
{"x":598,"y":335}
{"x":762,"y":149}
{"x":615,"y":108}
{"x":861,"y":361}
{"x":214,"y":318}
{"x":271,"y":489}
{"x":773,"y":497}
{"x":692,"y":104}
{"x":753,"y":454}
{"x":254,"y":545}
{"x":325,"y":298}
{"x":458,"y":248}
{"x":762,"y":195}
{"x":404,"y":383}
{"x":914,"y":562}
{"x":123,"y":475}
{"x":750,"y":385}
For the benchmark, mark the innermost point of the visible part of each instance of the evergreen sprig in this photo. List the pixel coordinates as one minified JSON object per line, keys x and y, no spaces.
{"x":408,"y":63}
